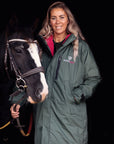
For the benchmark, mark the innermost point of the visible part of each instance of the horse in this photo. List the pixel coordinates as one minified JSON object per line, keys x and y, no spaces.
{"x":26,"y":64}
{"x":20,"y":67}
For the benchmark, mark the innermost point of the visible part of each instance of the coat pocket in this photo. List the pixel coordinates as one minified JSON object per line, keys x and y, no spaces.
{"x":73,"y":108}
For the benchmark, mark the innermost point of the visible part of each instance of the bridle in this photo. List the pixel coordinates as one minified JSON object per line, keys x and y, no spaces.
{"x":20,"y":78}
{"x":20,"y":82}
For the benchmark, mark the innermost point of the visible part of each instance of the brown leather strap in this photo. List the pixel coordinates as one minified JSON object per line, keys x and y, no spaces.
{"x":33,"y":71}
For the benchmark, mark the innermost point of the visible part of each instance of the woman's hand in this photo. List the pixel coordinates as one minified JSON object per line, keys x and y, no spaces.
{"x":15,"y":111}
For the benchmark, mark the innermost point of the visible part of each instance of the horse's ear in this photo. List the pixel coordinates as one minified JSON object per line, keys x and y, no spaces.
{"x":12,"y":24}
{"x":35,"y":25}
{"x":13,"y":20}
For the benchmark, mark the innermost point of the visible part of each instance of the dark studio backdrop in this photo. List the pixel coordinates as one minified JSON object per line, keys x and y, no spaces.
{"x":94,"y":19}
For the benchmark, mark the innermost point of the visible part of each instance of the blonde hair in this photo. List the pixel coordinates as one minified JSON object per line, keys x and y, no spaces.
{"x":72,"y":27}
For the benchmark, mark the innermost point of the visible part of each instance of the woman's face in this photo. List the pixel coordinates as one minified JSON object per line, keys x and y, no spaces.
{"x":58,"y":21}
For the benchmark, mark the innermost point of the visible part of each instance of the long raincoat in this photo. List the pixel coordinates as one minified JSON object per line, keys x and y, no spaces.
{"x":62,"y":117}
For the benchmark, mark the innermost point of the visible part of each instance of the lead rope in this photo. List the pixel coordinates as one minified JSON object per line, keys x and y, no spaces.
{"x":8,"y":123}
{"x":19,"y":124}
{"x":29,"y":128}
{"x":20,"y":127}
{"x":18,"y":121}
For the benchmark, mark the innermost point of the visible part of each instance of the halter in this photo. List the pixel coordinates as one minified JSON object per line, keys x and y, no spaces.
{"x":20,"y":82}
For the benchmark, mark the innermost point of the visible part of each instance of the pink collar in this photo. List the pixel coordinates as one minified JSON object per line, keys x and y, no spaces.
{"x":51,"y":44}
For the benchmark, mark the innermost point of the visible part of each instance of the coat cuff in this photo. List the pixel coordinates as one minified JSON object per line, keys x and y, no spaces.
{"x":78,"y":95}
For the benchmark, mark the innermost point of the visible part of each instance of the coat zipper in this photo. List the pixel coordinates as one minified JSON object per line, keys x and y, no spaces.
{"x":58,"y":66}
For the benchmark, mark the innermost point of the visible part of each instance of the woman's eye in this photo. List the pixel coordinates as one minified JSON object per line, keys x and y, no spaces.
{"x":53,"y":18}
{"x":62,"y":17}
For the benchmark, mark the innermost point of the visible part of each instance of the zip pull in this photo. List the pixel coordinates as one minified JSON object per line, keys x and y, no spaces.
{"x":58,"y":66}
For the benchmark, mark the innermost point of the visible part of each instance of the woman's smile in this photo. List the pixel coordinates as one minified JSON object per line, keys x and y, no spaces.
{"x":58,"y":21}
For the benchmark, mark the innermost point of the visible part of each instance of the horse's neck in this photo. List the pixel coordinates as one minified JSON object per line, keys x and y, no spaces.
{"x":2,"y":54}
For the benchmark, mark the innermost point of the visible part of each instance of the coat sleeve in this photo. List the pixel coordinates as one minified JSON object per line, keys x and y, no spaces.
{"x":91,"y":75}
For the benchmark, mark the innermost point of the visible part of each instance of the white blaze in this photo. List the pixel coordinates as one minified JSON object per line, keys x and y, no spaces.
{"x":33,"y":50}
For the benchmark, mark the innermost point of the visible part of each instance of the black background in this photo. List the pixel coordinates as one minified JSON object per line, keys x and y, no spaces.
{"x":95,"y":20}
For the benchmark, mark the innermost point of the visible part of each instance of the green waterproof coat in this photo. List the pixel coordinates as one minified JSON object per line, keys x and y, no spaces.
{"x":62,"y":117}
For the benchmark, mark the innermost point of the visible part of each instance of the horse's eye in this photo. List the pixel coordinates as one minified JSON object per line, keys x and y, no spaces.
{"x":19,"y":49}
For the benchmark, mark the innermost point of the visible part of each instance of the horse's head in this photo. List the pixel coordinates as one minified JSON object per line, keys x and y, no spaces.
{"x":25,"y":60}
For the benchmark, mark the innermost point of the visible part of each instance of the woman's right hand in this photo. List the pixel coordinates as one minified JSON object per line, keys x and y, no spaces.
{"x":15,"y":111}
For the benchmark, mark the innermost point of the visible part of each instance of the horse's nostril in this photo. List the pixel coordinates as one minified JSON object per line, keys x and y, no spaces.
{"x":38,"y":91}
{"x":39,"y":97}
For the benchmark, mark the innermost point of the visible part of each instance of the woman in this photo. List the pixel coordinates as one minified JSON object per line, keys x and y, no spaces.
{"x":72,"y":76}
